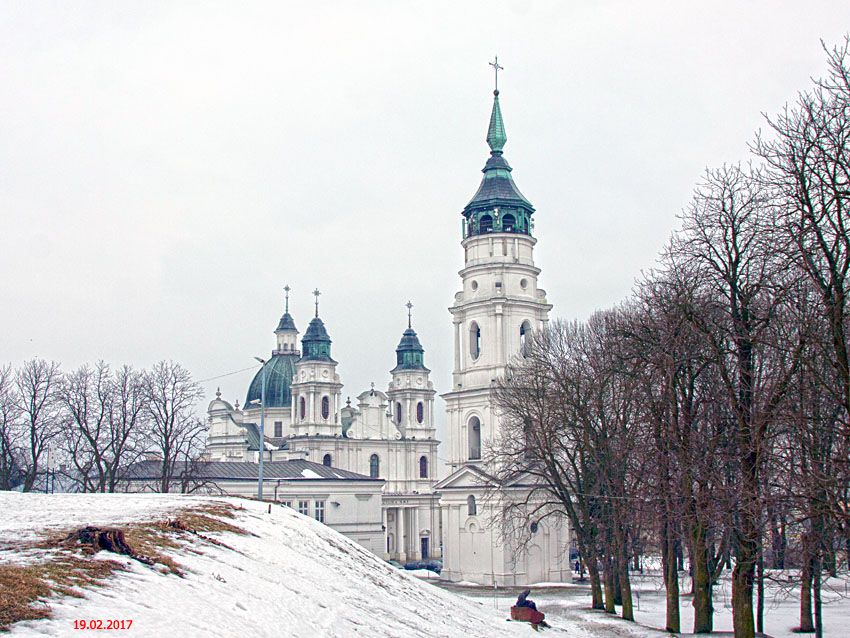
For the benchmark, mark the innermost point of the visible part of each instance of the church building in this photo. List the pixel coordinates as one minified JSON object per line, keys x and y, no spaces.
{"x":391,"y":435}
{"x":499,"y":306}
{"x":385,"y":435}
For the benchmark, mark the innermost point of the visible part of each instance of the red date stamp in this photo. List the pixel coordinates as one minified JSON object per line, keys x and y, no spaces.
{"x":100,"y":623}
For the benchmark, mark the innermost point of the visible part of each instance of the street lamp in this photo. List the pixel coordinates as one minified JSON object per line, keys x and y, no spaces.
{"x":262,"y":428}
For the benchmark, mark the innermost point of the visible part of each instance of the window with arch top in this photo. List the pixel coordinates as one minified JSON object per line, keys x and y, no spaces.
{"x":398,"y":412}
{"x":326,"y":407}
{"x":508,"y":223}
{"x":474,"y":438}
{"x":524,"y":338}
{"x":423,"y":467}
{"x":474,"y":340}
{"x":420,"y":412}
{"x":374,"y":466}
{"x":486,"y":224}
{"x":302,"y":408}
{"x":471,"y":506}
{"x":327,"y":461}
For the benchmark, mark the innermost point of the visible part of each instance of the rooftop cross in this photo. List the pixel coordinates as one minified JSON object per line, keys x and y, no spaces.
{"x":286,"y":290}
{"x":316,"y":294}
{"x":409,"y":307}
{"x":497,"y":67}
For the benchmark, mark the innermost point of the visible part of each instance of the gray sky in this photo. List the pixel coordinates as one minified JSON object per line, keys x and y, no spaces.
{"x":165,"y":168}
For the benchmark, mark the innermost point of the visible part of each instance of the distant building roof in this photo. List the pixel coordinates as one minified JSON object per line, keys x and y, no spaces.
{"x":296,"y":469}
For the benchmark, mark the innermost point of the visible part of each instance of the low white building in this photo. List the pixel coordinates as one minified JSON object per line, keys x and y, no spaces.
{"x":348,"y":502}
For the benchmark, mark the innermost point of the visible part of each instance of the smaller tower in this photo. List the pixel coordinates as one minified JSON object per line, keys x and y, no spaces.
{"x":316,"y":388}
{"x":286,"y":332}
{"x":411,"y":392}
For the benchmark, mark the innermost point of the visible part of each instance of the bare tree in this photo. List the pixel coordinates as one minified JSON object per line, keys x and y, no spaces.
{"x":170,"y":396}
{"x":129,"y":423}
{"x":10,"y":439}
{"x":36,"y":385}
{"x":730,"y":245}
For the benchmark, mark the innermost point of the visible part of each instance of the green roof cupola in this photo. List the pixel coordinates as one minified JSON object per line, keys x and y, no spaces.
{"x":410,"y":355}
{"x":498,"y":206}
{"x":316,"y":344}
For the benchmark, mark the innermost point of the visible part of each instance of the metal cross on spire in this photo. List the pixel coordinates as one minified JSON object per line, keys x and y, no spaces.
{"x":286,"y":290}
{"x":497,"y":67}
{"x":409,"y":307}
{"x":316,"y":294}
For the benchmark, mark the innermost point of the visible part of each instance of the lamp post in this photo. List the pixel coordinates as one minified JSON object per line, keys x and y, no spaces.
{"x":262,"y":428}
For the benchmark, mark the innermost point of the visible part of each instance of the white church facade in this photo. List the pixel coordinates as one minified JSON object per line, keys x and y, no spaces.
{"x":388,"y":436}
{"x":391,"y":435}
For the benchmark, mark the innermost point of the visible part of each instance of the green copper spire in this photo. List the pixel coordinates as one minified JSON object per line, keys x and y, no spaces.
{"x":496,"y":136}
{"x":498,"y":206}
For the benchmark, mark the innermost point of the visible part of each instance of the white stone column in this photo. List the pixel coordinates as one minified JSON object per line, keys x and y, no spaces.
{"x":399,"y":543}
{"x":457,"y":347}
{"x":417,"y":546}
{"x":386,"y":532}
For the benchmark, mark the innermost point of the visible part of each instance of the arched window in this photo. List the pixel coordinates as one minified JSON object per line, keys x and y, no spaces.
{"x":326,"y":407}
{"x":474,"y":340}
{"x":420,"y":412}
{"x":474,"y":438}
{"x":398,"y":412}
{"x":508,"y":223}
{"x":471,"y":507}
{"x":524,"y":338}
{"x":374,"y":466}
{"x":423,"y":467}
{"x":302,"y":408}
{"x":486,"y":224}
{"x":327,"y":460}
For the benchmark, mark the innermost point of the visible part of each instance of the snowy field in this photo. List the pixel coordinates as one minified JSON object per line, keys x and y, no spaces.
{"x":567,"y":606}
{"x":296,"y":578}
{"x":292,"y":576}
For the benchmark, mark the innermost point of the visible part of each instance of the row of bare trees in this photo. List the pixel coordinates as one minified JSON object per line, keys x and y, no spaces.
{"x":708,"y":414}
{"x":96,"y":422}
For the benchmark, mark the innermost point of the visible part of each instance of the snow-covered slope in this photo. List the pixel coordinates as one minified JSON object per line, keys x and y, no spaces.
{"x":292,"y":577}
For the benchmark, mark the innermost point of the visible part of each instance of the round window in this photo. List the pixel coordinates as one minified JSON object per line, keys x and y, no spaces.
{"x":523,"y":283}
{"x":474,"y":285}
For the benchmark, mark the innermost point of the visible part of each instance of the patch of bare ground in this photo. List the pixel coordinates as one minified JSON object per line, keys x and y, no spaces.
{"x":69,"y":565}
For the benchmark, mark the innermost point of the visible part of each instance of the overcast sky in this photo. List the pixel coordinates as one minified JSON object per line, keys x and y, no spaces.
{"x":165,"y":168}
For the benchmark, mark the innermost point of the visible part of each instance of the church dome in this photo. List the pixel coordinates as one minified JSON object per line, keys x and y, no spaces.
{"x":280,"y":370}
{"x":287,"y":323}
{"x":410,"y":355}
{"x":316,"y":343}
{"x":498,"y":206}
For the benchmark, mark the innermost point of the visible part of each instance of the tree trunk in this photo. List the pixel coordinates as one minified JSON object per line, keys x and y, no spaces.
{"x":742,"y":590}
{"x":703,"y":607}
{"x":671,"y":579}
{"x":595,"y":584}
{"x":760,"y":603}
{"x":816,"y":587}
{"x":806,"y":623}
{"x":625,"y":586}
{"x":609,"y":586}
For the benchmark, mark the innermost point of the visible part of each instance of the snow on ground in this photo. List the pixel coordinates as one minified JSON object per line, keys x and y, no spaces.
{"x":295,"y":578}
{"x":567,"y":606}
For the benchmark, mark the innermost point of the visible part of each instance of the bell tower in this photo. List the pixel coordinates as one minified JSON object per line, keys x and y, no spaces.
{"x":316,"y":386}
{"x":411,"y":392}
{"x":499,"y":305}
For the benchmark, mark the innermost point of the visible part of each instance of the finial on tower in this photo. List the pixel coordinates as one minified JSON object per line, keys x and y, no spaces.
{"x":286,"y":290}
{"x":316,"y":294}
{"x":218,"y":393}
{"x":497,"y":67}
{"x":409,"y":307}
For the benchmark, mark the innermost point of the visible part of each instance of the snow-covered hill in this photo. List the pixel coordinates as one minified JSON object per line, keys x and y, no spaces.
{"x":291,"y":576}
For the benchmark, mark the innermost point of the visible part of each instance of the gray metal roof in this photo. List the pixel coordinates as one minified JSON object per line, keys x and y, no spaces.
{"x":238,"y":470}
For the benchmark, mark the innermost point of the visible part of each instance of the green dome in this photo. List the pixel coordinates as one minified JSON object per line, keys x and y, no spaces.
{"x":280,"y":370}
{"x":316,"y":343}
{"x":498,"y":206}
{"x":410,"y":355}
